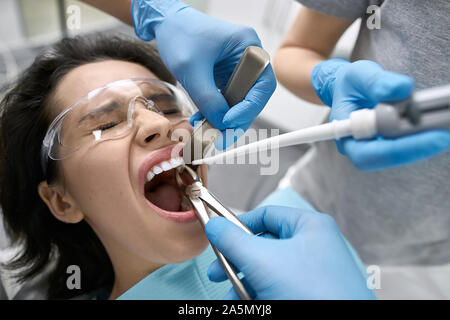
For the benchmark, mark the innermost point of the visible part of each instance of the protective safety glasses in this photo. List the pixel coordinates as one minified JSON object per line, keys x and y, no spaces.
{"x":109,"y":112}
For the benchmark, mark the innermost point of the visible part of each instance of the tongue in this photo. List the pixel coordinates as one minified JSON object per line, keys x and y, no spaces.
{"x":165,"y":196}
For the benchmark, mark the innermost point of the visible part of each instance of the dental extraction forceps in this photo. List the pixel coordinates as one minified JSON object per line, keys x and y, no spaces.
{"x":202,"y":199}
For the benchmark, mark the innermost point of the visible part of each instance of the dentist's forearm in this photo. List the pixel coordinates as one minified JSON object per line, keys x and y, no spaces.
{"x":309,"y":41}
{"x":121,"y":9}
{"x":293,"y":67}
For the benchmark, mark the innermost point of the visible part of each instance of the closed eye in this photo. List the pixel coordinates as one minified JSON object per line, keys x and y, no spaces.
{"x":170,"y":111}
{"x":150,"y":138}
{"x":108,"y":126}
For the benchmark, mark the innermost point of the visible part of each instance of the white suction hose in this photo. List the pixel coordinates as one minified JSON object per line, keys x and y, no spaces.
{"x":360,"y":125}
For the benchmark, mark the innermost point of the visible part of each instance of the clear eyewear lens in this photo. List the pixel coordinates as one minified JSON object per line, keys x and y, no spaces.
{"x":109,"y":113}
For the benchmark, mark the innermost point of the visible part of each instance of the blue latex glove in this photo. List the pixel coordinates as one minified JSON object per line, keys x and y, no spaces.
{"x":346,"y":86}
{"x":303,"y":256}
{"x":202,"y":52}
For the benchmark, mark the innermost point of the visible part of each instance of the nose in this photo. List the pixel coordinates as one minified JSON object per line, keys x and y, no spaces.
{"x":155,"y":130}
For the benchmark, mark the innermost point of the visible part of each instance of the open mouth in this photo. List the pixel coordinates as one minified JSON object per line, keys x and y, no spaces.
{"x":160,"y":187}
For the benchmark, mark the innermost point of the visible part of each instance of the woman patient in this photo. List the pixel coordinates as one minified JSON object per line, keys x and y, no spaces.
{"x":100,"y":192}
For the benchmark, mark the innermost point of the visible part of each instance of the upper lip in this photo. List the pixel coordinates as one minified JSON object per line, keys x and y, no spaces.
{"x":155,"y":158}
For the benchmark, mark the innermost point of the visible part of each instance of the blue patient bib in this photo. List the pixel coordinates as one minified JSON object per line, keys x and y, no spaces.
{"x":183,"y":281}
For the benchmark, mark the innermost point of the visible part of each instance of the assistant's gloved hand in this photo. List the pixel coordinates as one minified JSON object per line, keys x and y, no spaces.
{"x":303,"y":256}
{"x":202,"y":52}
{"x":346,"y":86}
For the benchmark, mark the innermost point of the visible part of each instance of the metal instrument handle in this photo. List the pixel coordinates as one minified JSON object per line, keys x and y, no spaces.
{"x":231,"y":274}
{"x":197,"y":194}
{"x":251,"y":65}
{"x":202,"y":214}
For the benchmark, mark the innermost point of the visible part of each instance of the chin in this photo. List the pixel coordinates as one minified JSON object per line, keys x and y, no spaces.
{"x":183,"y":253}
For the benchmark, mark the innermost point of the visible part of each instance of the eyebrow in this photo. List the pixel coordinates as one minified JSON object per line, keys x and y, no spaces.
{"x":111,"y":106}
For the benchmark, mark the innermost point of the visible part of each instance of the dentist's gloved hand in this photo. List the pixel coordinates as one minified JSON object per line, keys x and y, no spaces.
{"x":303,"y":256}
{"x":346,"y":86}
{"x":202,"y":52}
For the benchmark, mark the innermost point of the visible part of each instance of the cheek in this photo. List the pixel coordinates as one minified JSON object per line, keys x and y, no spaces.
{"x":98,"y":178}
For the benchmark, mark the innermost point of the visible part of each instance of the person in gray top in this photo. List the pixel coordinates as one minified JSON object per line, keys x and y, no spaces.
{"x":399,"y":216}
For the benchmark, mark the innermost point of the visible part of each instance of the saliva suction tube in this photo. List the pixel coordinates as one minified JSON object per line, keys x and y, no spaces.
{"x":427,"y":109}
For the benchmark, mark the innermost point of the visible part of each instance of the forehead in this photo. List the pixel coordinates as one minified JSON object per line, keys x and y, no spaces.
{"x":83,"y":79}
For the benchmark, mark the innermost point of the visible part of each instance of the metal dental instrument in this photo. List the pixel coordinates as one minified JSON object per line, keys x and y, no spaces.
{"x":427,"y":109}
{"x":250,"y":66}
{"x":202,"y":199}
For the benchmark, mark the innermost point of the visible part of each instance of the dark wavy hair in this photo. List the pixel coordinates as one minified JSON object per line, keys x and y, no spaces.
{"x":25,"y":114}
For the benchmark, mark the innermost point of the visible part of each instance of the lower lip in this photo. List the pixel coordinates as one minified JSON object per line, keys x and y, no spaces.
{"x":179,"y":217}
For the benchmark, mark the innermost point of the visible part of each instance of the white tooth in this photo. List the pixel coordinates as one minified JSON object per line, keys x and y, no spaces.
{"x":150,"y":175}
{"x":166,"y":166}
{"x":157,"y":170}
{"x":177,"y":161}
{"x":174,"y":162}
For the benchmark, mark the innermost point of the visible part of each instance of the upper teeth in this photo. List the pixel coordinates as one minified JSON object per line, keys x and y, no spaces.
{"x":164,"y":166}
